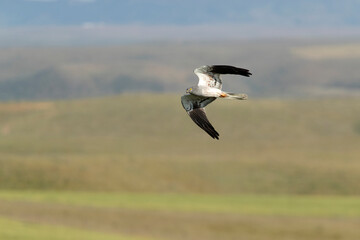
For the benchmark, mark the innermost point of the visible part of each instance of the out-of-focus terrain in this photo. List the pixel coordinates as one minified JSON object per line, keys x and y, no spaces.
{"x":280,"y":68}
{"x":134,"y":166}
{"x":94,"y":143}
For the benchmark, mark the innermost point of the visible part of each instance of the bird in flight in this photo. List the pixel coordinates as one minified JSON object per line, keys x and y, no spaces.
{"x":207,"y":90}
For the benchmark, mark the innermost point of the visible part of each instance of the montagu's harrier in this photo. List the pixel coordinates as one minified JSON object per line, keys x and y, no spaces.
{"x":207,"y":90}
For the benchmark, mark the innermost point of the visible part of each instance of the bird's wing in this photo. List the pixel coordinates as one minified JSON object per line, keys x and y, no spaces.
{"x":225,"y":69}
{"x":208,"y":79}
{"x":209,"y":76}
{"x":194,"y":106}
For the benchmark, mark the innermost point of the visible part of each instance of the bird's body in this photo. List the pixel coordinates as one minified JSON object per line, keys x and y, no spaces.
{"x":206,"y":91}
{"x":209,"y":89}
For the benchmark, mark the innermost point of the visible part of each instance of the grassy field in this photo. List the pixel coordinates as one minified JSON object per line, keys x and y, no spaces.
{"x":148,"y":143}
{"x":329,"y":206}
{"x":136,"y":167}
{"x":89,"y":215}
{"x":12,"y":230}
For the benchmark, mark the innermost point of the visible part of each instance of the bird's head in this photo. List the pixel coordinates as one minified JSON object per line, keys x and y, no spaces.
{"x":189,"y":90}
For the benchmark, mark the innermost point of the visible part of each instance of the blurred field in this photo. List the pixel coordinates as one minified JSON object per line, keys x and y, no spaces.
{"x":136,"y":165}
{"x":148,"y":143}
{"x":73,"y":215}
{"x":11,"y":229}
{"x":277,"y":205}
{"x":329,"y":51}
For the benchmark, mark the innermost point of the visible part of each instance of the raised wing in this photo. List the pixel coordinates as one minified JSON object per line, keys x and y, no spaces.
{"x":209,"y":80}
{"x":209,"y":76}
{"x":194,"y":106}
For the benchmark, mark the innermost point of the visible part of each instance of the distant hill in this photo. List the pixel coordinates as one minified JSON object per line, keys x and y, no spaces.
{"x":280,"y":69}
{"x":52,"y":83}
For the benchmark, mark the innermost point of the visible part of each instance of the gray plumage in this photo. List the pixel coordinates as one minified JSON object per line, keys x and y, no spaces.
{"x":208,"y":89}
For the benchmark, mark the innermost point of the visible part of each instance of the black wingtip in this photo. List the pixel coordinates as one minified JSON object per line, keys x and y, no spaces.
{"x":214,"y":134}
{"x":225,"y":69}
{"x":199,"y":117}
{"x":248,"y":74}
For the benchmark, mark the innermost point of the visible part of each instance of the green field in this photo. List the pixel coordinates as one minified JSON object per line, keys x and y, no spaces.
{"x":135,"y":166}
{"x":93,"y":215}
{"x":329,"y":206}
{"x":12,"y":230}
{"x":147,"y":143}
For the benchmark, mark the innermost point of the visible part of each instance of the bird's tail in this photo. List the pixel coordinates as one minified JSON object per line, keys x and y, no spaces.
{"x":238,"y":96}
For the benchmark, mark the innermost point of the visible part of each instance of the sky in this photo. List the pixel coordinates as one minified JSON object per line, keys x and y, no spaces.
{"x":72,"y":22}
